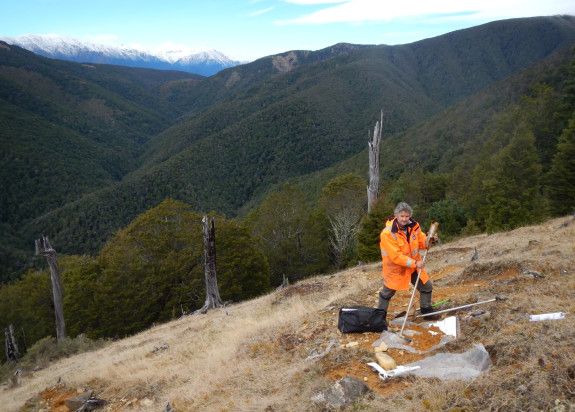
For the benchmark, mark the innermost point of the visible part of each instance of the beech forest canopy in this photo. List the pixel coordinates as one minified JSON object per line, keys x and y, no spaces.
{"x":118,"y":165}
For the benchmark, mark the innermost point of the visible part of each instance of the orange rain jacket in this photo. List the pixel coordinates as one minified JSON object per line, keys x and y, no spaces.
{"x":400,"y":252}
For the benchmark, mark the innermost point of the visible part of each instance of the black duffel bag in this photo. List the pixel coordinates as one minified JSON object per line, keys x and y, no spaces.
{"x":361,"y":319}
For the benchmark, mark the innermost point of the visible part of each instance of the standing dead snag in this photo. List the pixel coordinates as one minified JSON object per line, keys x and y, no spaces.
{"x":12,"y":353}
{"x":44,"y":248}
{"x":373,"y":188}
{"x":213,"y":299}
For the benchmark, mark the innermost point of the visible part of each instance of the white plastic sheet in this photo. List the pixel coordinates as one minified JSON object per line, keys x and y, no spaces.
{"x":454,"y":366}
{"x":399,"y":371}
{"x":547,"y":316}
{"x":449,"y":326}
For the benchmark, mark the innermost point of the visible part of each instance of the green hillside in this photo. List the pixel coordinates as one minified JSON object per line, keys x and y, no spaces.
{"x":87,"y":148}
{"x":452,"y":137}
{"x":67,"y":129}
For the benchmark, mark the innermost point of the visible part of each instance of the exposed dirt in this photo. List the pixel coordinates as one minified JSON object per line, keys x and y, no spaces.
{"x":531,"y":266}
{"x":53,"y":399}
{"x":422,"y":340}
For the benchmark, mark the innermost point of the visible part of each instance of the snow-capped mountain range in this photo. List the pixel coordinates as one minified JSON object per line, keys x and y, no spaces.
{"x":60,"y":47}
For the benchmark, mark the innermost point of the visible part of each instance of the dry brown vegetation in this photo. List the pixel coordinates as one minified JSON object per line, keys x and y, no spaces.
{"x":252,"y":356}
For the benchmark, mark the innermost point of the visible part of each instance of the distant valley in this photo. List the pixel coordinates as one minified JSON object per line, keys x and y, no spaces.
{"x":88,"y":147}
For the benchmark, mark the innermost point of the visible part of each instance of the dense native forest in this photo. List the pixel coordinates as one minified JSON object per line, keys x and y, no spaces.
{"x":117,"y":166}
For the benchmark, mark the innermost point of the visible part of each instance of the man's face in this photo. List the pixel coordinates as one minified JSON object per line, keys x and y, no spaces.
{"x":403,"y":218}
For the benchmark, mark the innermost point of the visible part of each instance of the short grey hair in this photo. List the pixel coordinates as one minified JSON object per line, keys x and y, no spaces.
{"x":403,"y":207}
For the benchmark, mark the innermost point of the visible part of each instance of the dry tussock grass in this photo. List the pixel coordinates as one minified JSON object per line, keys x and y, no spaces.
{"x":252,"y":356}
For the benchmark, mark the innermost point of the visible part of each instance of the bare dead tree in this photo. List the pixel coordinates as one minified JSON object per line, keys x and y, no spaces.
{"x":12,"y":353}
{"x":43,"y":248}
{"x":373,"y":187}
{"x":344,"y":227}
{"x":213,"y":299}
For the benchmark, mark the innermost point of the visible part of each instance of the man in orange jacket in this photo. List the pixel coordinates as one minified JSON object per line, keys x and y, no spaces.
{"x":401,"y":242}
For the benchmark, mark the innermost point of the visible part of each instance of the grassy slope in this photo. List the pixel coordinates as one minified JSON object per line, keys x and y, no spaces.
{"x":252,"y":356}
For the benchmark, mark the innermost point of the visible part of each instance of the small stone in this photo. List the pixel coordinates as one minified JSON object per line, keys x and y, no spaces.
{"x":381,"y":348}
{"x":76,"y":402}
{"x":385,"y":361}
{"x":352,"y":344}
{"x":147,"y":402}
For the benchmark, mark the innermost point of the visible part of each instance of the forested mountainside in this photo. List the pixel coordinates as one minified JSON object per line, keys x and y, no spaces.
{"x":111,"y":165}
{"x":87,"y":148}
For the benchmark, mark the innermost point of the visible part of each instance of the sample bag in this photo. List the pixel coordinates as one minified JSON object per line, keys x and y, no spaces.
{"x":361,"y":319}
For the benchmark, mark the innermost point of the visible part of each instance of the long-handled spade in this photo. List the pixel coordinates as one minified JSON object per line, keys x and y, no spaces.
{"x":461,"y":307}
{"x":411,"y":301}
{"x":432,"y":231}
{"x":412,"y":314}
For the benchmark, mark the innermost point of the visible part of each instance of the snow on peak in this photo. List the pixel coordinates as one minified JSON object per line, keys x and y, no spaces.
{"x":70,"y":48}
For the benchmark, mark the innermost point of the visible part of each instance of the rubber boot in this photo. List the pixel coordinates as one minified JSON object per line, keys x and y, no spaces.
{"x":383,"y":303}
{"x":425,"y":306}
{"x":424,"y":299}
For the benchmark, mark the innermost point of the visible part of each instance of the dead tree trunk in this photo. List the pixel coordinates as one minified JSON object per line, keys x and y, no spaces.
{"x":44,"y":248}
{"x":373,"y":188}
{"x":12,"y":353}
{"x":213,"y":299}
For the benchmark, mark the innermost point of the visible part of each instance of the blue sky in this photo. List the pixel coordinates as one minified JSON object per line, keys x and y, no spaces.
{"x":248,"y":29}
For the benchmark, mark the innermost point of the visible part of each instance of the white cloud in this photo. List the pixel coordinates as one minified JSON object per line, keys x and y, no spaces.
{"x":314,"y":2}
{"x":259,"y":12}
{"x":385,"y":10}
